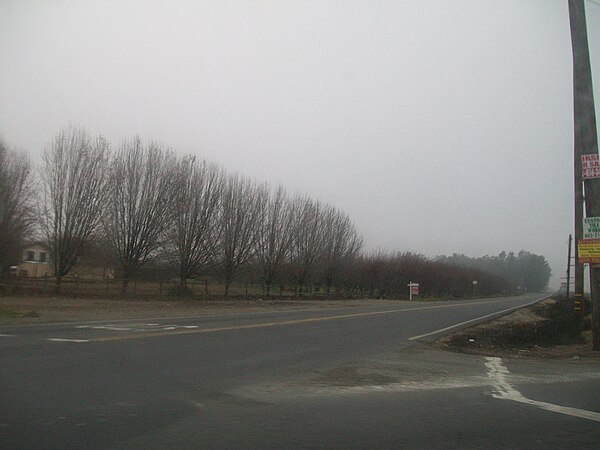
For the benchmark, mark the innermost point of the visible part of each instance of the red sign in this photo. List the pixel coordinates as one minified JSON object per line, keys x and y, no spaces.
{"x":590,"y":166}
{"x":414,"y":289}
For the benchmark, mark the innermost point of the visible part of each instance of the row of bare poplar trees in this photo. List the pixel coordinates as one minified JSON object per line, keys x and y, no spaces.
{"x":147,"y":204}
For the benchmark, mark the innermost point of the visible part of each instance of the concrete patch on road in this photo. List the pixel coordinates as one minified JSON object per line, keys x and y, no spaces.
{"x":318,"y":389}
{"x":411,"y":369}
{"x":353,"y":376}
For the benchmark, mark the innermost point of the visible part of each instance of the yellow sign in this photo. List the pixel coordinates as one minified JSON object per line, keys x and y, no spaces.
{"x":588,"y":251}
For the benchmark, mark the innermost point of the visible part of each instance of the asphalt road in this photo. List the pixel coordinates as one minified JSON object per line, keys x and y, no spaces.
{"x":360,"y":377}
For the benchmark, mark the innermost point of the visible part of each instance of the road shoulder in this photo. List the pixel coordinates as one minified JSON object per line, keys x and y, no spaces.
{"x":526,"y":333}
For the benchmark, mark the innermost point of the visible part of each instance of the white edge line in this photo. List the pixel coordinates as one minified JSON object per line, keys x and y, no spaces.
{"x":514,"y":308}
{"x":67,"y":340}
{"x":7,"y":335}
{"x":498,"y":372}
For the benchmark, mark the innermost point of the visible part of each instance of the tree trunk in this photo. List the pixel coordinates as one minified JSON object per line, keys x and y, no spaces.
{"x":57,"y":285}
{"x":227,"y":283}
{"x":124,"y":284}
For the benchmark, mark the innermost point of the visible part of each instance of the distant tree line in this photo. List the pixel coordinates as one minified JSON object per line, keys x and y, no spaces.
{"x":140,"y":206}
{"x":387,"y":275}
{"x":525,"y":271}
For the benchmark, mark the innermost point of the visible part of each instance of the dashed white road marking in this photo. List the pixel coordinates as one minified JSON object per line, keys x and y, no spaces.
{"x":7,"y":335}
{"x":78,"y":341}
{"x":137,"y":327}
{"x":503,"y":390}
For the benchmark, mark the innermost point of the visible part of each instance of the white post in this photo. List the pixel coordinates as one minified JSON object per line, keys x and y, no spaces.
{"x":412,"y":286}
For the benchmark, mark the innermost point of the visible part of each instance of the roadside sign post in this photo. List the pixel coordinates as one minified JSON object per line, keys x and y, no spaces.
{"x":590,"y":166}
{"x":591,"y":228}
{"x":588,"y":251}
{"x":474,"y":287}
{"x":413,"y":289}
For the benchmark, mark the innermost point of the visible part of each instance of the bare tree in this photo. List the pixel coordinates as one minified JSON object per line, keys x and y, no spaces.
{"x":341,"y":244}
{"x":307,"y":240}
{"x":16,"y":194}
{"x":141,"y":183}
{"x":242,"y":207}
{"x":276,"y":233}
{"x":73,"y":178}
{"x":194,"y":230}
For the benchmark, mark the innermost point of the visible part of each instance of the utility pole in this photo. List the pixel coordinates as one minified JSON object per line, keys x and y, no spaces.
{"x":586,"y":143}
{"x":569,"y":268}
{"x":574,"y":18}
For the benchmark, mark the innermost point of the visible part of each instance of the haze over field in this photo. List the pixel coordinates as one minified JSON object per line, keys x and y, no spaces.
{"x":439,"y":127}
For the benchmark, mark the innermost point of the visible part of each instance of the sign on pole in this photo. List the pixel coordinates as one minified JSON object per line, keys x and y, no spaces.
{"x":413,"y":289}
{"x":591,"y":228}
{"x":590,"y":166}
{"x":588,"y":251}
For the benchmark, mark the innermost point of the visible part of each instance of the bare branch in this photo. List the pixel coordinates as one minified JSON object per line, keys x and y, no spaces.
{"x":194,"y":230}
{"x":242,"y":207}
{"x":141,"y":184}
{"x":74,"y":192}
{"x":276,"y":234}
{"x":341,"y":244}
{"x":307,"y":240}
{"x":16,"y":195}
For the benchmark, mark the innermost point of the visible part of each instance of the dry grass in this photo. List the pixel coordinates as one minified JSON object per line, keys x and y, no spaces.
{"x":523,"y":333}
{"x":60,"y":309}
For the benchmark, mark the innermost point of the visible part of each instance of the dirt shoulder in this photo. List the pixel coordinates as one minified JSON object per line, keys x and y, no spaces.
{"x":23,"y":310}
{"x":532,"y":332}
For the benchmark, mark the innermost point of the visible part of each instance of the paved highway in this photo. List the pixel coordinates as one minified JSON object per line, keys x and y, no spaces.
{"x":356,"y":377}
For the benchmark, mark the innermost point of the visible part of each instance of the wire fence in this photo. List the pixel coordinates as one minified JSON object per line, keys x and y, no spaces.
{"x":113,"y":288}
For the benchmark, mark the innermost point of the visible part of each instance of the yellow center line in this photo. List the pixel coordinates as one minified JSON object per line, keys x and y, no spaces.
{"x":281,"y":323}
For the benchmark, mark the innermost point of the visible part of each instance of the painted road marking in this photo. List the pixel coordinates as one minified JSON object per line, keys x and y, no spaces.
{"x":292,"y":322}
{"x":248,"y":314}
{"x":193,"y":329}
{"x":137,"y":327}
{"x":7,"y":335}
{"x":503,"y":390}
{"x":514,"y":308}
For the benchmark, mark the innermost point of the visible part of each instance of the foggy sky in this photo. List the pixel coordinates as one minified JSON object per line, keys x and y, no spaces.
{"x":438,"y":126}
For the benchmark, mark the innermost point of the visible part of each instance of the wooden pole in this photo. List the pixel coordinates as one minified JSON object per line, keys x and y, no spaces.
{"x":586,"y":143}
{"x":569,"y":267}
